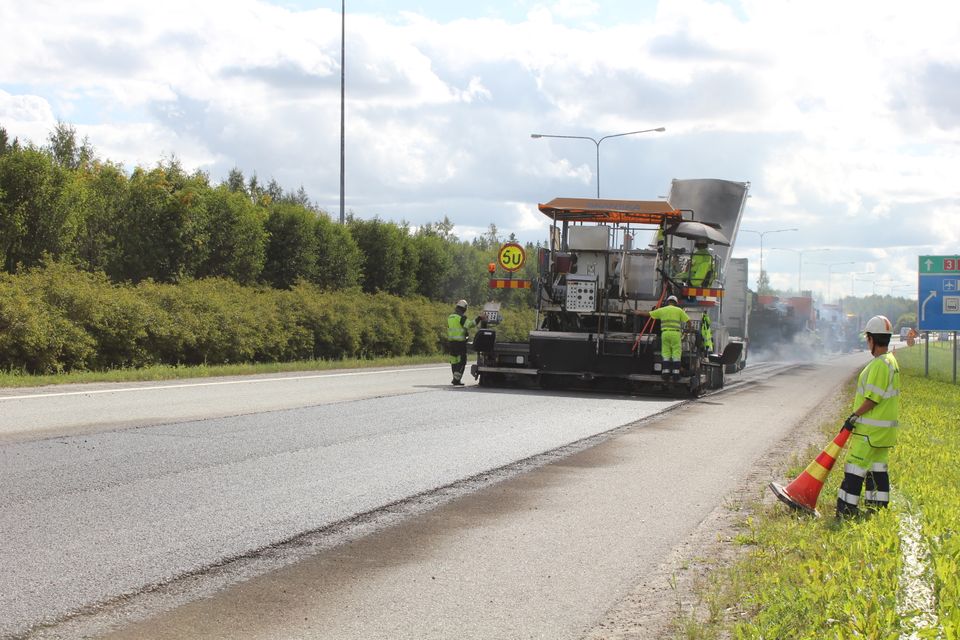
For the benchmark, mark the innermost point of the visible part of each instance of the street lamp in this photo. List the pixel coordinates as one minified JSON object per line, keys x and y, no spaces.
{"x":830,"y":266}
{"x":799,"y":253}
{"x":854,"y":278}
{"x":761,"y":234}
{"x":886,"y":282}
{"x":597,"y":143}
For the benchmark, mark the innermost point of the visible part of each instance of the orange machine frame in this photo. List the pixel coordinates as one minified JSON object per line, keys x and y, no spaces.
{"x":653,"y":212}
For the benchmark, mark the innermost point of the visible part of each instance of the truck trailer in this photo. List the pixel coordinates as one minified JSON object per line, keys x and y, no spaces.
{"x":597,"y":281}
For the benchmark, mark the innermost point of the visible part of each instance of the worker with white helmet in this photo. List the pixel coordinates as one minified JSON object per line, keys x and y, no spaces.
{"x":672,"y":320}
{"x":874,"y":423}
{"x":458,"y":326}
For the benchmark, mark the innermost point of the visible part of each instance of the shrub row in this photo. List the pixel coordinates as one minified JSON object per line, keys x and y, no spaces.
{"x":57,"y":318}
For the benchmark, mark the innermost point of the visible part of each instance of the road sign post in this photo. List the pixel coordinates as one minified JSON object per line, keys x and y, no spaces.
{"x":511,"y":259}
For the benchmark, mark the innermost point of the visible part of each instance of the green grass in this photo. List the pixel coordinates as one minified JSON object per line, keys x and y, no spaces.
{"x":800,"y":577}
{"x":164,"y":372}
{"x":941,"y":360}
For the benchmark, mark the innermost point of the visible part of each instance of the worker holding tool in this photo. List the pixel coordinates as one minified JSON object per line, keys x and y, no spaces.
{"x":458,"y":326}
{"x":873,"y":423}
{"x":672,"y":320}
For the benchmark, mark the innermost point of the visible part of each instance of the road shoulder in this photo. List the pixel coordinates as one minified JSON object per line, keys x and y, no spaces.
{"x":673,"y":592}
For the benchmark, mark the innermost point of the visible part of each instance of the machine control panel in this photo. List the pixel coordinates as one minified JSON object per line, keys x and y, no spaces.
{"x":581,"y":293}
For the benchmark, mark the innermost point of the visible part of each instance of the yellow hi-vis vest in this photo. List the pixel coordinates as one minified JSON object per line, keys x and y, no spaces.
{"x":701,"y":264}
{"x":879,"y":381}
{"x":671,"y":318}
{"x":706,"y":332}
{"x":457,"y":326}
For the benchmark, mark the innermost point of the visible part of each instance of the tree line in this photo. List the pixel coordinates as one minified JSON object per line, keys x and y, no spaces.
{"x":59,"y":202}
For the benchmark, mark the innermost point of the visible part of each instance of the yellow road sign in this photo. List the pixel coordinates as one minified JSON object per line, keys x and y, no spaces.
{"x":511,"y":257}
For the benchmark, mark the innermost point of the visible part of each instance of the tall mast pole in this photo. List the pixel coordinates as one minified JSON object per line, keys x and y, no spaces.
{"x":343,"y":31}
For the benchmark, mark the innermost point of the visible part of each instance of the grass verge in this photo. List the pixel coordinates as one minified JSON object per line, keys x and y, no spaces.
{"x":165,"y":372}
{"x":800,"y":577}
{"x":941,"y":359}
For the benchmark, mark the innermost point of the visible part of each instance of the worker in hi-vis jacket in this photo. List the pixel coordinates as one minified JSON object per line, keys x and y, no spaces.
{"x":458,"y":326}
{"x":672,"y":320}
{"x":874,"y":423}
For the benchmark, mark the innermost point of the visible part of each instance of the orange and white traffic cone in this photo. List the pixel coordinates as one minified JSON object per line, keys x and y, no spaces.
{"x":802,"y":493}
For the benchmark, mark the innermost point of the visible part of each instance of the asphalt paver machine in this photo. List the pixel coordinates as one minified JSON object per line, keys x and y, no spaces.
{"x":608,"y":263}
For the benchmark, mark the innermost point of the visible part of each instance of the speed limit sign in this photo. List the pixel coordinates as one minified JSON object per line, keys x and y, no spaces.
{"x":511,"y":257}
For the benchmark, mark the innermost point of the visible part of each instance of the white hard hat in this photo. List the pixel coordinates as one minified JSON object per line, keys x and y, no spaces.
{"x":672,"y":299}
{"x":878,"y":325}
{"x":462,"y":303}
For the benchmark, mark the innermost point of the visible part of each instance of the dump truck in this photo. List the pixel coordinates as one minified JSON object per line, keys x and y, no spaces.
{"x":597,"y":280}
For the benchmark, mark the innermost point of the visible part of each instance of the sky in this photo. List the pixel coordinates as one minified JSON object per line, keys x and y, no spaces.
{"x":844,"y":117}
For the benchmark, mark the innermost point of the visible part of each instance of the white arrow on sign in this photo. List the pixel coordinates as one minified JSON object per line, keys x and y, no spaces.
{"x":923,"y":307}
{"x":929,"y":264}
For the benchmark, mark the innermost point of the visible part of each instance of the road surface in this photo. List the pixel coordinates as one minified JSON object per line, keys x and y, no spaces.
{"x":394,"y":507}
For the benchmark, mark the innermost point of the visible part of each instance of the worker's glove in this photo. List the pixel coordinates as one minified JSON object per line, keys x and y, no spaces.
{"x":478,"y":320}
{"x":851,"y":422}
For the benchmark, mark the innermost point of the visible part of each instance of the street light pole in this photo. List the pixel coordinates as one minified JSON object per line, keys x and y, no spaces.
{"x":343,"y":32}
{"x":799,"y":253}
{"x":854,"y":279}
{"x":596,"y":142}
{"x":761,"y":234}
{"x":870,"y":280}
{"x":830,"y":266}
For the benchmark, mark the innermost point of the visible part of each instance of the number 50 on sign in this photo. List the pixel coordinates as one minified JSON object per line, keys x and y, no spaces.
{"x":511,"y":257}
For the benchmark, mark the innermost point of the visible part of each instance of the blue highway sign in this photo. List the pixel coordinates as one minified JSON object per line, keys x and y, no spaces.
{"x":938,"y":293}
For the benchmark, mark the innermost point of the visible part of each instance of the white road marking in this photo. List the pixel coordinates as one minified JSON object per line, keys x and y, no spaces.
{"x":916,"y":601}
{"x":212,"y":384}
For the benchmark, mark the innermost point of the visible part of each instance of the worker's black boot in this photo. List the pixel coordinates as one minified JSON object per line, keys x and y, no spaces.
{"x":846,"y":510}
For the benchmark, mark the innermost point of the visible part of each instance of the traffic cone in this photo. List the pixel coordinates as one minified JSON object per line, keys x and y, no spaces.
{"x":802,"y":493}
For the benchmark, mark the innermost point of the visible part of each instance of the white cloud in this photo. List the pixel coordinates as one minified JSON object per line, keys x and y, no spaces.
{"x":842,"y":115}
{"x":26,"y":113}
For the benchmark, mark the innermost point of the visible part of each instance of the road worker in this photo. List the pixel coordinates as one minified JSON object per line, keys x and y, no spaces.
{"x":672,"y":320}
{"x":876,"y":412}
{"x":706,"y":333}
{"x":701,"y":266}
{"x":458,"y":326}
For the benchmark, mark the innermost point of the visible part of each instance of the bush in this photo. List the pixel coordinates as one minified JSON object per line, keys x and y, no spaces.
{"x":332,"y":321}
{"x":56,"y":318}
{"x":36,"y":334}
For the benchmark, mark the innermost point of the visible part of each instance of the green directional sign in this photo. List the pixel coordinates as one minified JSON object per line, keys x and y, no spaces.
{"x":938,"y":293}
{"x":940,"y":265}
